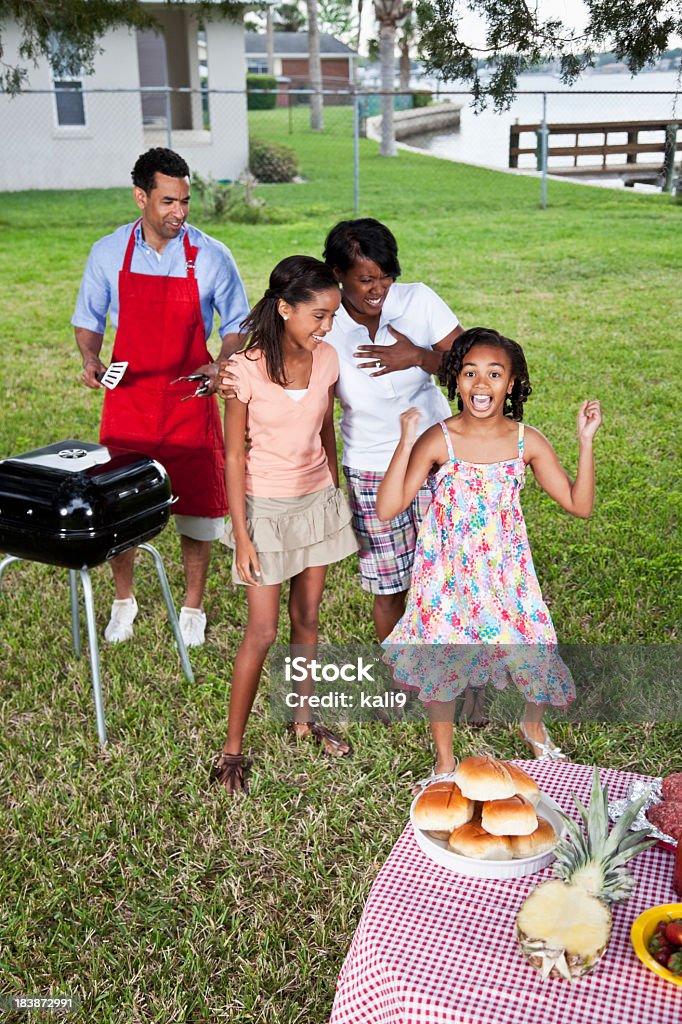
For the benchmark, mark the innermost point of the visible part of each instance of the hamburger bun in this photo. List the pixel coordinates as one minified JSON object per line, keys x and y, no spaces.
{"x":442,"y":808}
{"x":484,"y":778}
{"x":472,"y":840}
{"x":514,"y":816}
{"x":525,"y":786}
{"x":544,"y":838}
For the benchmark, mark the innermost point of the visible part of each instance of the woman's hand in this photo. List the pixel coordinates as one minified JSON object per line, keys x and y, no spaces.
{"x":387,"y":358}
{"x":589,"y":419}
{"x":246,"y":560}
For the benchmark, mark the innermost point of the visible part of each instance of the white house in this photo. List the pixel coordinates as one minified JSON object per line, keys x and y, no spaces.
{"x":80,"y":133}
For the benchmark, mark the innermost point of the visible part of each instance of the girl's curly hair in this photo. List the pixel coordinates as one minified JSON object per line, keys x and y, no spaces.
{"x":452,"y":367}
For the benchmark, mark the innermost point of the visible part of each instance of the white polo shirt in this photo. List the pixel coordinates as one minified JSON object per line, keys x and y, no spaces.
{"x":371,"y":406}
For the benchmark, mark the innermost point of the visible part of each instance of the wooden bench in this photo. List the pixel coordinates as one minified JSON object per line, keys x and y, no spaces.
{"x":661,"y":139}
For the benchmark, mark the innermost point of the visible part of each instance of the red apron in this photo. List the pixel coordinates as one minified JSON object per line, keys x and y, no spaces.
{"x":161,"y":336}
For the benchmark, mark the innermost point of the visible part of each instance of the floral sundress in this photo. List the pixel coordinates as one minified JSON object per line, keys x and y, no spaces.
{"x":474,"y":607}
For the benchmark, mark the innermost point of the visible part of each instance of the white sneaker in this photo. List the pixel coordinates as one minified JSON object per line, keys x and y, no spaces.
{"x":120,"y":626}
{"x":192,"y":626}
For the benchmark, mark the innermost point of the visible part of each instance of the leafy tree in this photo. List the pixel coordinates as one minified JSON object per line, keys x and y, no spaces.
{"x":337,"y":18}
{"x":285,"y":17}
{"x":518,"y":37}
{"x":289,"y":17}
{"x":67,"y":33}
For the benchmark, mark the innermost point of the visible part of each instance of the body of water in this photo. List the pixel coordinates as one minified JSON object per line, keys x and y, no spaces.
{"x":484,"y":138}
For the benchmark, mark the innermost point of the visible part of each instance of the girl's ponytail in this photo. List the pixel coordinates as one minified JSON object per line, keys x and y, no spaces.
{"x":294,"y":280}
{"x":264,"y":328}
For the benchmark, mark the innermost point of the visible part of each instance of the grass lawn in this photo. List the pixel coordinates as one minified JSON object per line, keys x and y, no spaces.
{"x":125,"y":879}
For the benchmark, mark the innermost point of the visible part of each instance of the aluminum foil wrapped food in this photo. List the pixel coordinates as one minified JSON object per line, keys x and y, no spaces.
{"x":653,"y":789}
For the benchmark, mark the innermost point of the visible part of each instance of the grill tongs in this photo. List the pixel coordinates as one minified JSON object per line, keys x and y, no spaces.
{"x":202,"y":387}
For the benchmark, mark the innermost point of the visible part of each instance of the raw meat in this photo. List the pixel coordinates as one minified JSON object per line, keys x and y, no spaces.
{"x":667,"y":816}
{"x":672,"y":787}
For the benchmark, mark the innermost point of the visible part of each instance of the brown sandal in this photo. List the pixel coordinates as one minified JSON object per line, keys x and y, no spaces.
{"x":232,"y":772}
{"x":332,"y":745}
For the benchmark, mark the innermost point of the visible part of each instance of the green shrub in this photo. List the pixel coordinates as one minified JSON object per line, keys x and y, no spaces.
{"x":421,"y":99}
{"x":215,"y":197}
{"x":234,"y":201}
{"x":259,"y":100}
{"x":271,"y":162}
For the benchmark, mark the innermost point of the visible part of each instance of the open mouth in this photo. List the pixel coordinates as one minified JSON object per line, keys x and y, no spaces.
{"x":481,"y":403}
{"x":375,"y":302}
{"x":318,"y":338}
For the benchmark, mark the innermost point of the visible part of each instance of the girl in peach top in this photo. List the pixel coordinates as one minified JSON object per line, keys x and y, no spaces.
{"x":289,"y":520}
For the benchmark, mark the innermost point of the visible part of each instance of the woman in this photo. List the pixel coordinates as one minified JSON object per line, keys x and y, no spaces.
{"x":390,"y":338}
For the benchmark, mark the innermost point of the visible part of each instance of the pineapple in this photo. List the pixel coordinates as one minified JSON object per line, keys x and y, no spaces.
{"x":564,"y":926}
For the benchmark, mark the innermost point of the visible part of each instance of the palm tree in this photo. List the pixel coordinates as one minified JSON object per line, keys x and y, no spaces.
{"x":388,"y":14}
{"x":407,"y":37}
{"x":316,"y":107}
{"x":359,"y":35}
{"x":270,"y":41}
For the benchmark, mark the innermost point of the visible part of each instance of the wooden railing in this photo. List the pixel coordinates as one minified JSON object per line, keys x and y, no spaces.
{"x":661,"y":140}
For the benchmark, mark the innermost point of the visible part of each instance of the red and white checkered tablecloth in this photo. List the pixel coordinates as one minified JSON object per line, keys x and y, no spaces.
{"x":434,"y":947}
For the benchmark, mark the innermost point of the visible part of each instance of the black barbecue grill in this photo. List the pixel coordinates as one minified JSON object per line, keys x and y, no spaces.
{"x":75,"y":504}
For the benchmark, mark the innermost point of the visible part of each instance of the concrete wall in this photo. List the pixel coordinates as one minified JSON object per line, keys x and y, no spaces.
{"x":228,"y":118}
{"x":434,"y":118}
{"x":37,"y":153}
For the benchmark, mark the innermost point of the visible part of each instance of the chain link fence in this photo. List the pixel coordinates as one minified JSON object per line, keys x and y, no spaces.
{"x":75,"y":137}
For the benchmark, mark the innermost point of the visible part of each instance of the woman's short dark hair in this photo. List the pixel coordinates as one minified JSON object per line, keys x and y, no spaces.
{"x":295,"y":279}
{"x":350,"y":240}
{"x":158,"y":160}
{"x":452,"y":366}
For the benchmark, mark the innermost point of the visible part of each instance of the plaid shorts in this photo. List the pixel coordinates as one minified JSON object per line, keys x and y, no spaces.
{"x":386,"y":549}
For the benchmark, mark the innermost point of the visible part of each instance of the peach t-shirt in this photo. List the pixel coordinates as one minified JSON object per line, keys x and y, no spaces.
{"x":286,"y":457}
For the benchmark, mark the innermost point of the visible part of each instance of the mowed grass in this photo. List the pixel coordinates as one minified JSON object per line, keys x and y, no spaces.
{"x":125,"y":878}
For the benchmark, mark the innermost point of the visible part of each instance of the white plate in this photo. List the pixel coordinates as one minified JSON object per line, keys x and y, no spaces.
{"x":438,"y":851}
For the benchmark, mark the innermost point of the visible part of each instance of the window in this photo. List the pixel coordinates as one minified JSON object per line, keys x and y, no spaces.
{"x":257,"y":67}
{"x":69,"y":97}
{"x":67,"y":74}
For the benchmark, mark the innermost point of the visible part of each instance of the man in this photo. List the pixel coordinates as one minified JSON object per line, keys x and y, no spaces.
{"x":161,"y":281}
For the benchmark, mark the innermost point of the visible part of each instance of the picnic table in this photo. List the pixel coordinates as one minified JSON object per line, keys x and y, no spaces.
{"x":435,"y":947}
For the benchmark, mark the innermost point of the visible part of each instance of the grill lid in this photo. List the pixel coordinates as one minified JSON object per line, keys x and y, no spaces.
{"x":75,"y":503}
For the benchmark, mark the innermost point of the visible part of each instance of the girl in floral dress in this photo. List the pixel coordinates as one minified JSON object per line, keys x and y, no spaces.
{"x":473,"y":581}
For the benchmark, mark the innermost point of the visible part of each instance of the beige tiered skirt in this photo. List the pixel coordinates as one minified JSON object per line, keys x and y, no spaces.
{"x":293,"y":534}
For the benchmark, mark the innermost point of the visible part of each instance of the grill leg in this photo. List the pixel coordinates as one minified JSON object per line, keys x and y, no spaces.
{"x":7,"y":561}
{"x":75,"y":614}
{"x":94,"y":656}
{"x":170,"y":608}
